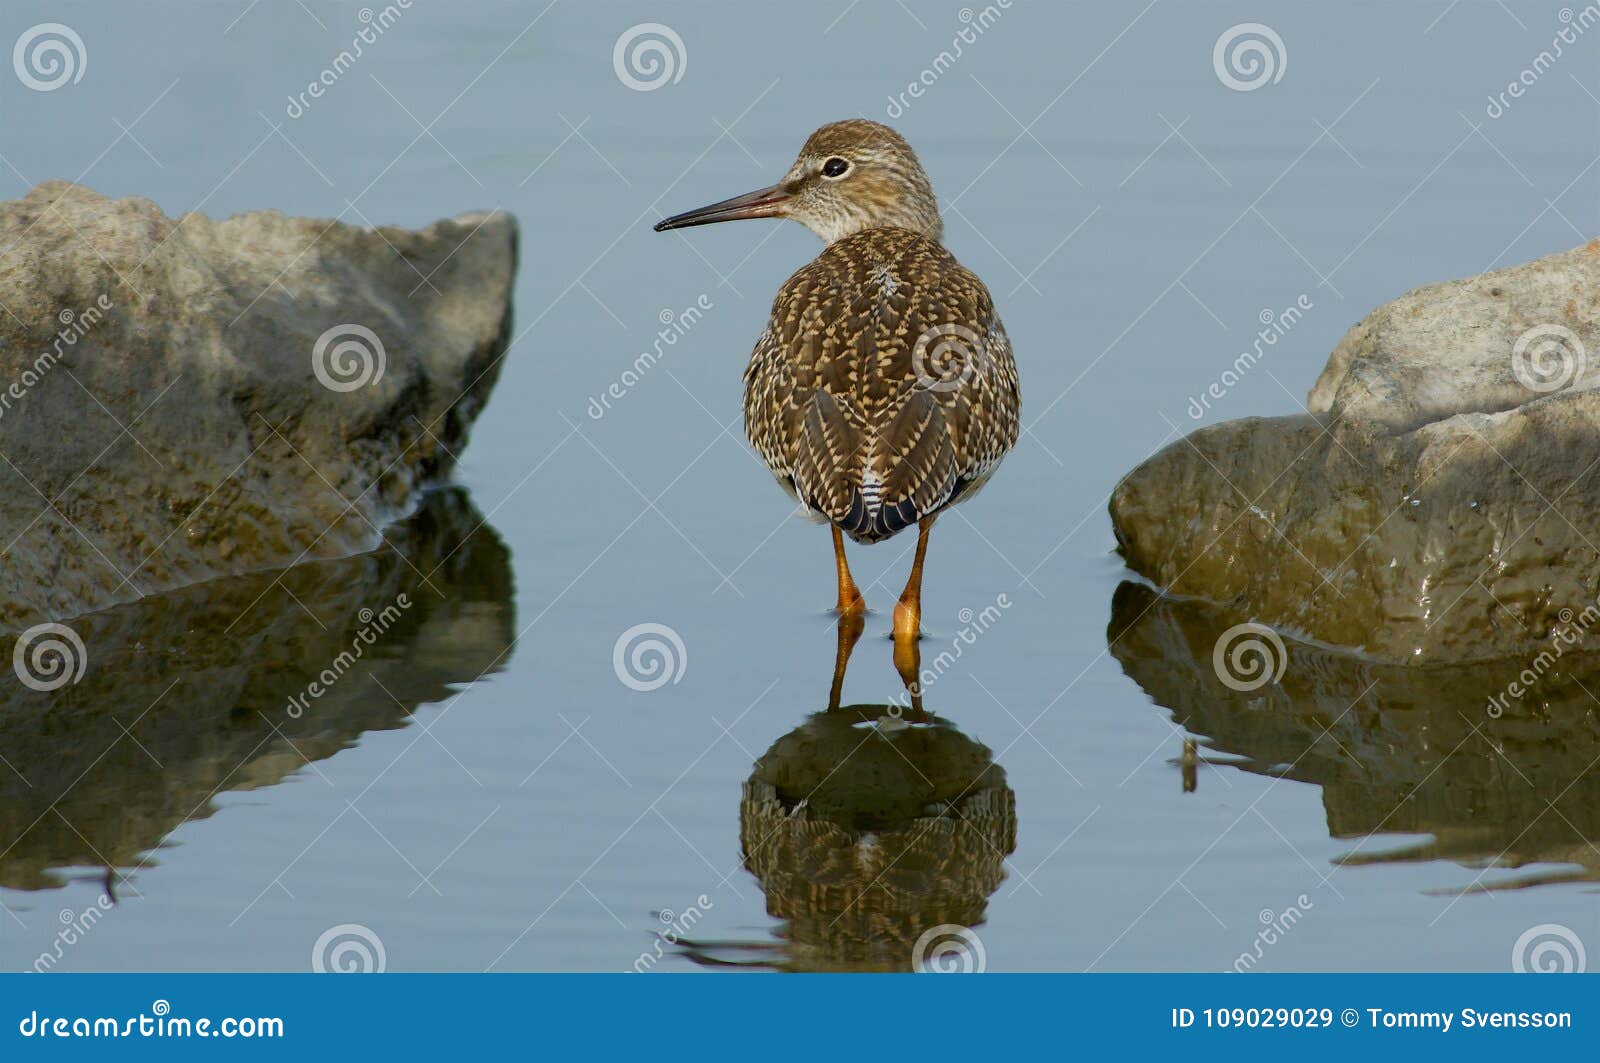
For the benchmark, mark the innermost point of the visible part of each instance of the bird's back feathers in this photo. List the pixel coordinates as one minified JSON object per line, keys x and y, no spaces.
{"x":883,"y":389}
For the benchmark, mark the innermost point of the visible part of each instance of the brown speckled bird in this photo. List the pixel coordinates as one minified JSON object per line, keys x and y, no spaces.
{"x":883,"y":389}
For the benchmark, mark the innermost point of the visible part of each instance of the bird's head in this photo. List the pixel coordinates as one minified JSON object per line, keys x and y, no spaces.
{"x":849,"y":176}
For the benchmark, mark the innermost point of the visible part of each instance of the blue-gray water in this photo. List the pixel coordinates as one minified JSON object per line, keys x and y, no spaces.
{"x":1133,"y":217}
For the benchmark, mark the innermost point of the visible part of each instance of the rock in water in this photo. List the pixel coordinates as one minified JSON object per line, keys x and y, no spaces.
{"x":182,"y":399}
{"x":1440,"y":503}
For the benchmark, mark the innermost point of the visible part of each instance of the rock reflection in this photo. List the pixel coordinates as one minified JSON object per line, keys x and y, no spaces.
{"x":210,"y":688}
{"x":1497,"y":785}
{"x":866,"y":826}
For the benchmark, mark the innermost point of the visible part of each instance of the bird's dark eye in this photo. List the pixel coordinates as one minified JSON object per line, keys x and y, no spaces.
{"x":835,"y":167}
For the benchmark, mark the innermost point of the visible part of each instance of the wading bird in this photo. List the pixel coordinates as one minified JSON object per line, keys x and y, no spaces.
{"x":883,"y":389}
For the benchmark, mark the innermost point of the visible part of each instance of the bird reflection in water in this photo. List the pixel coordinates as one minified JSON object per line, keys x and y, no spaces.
{"x":867,"y":827}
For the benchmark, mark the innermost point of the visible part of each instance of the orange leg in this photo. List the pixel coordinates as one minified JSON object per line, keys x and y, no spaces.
{"x":850,"y":627}
{"x":908,"y":611}
{"x":850,"y":601}
{"x":908,"y":662}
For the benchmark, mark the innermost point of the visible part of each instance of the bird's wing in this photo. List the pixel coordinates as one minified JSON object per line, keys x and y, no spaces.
{"x":883,"y":388}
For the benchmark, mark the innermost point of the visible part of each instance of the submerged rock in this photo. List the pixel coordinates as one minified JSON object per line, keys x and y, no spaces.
{"x":1440,"y":502}
{"x":183,"y":399}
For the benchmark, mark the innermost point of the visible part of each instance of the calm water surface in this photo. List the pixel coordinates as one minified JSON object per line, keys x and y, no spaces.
{"x":486,"y":793}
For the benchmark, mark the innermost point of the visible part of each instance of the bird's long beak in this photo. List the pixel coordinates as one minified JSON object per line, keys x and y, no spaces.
{"x":769,"y":202}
